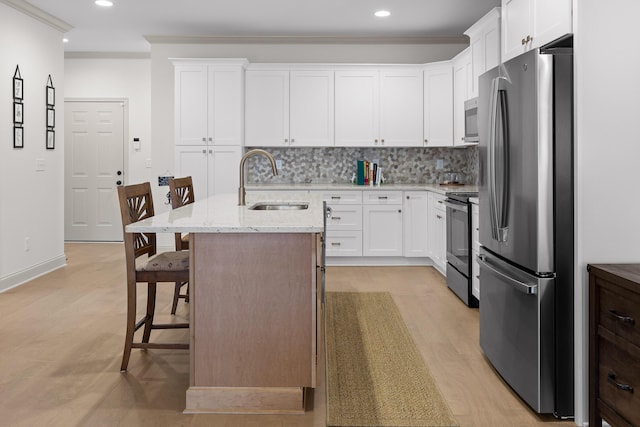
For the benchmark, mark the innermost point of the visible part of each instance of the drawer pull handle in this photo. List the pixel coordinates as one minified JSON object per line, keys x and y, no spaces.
{"x":335,"y":243}
{"x":382,"y":197}
{"x":624,"y":387}
{"x":337,"y":218}
{"x":335,"y":197}
{"x":622,"y":318}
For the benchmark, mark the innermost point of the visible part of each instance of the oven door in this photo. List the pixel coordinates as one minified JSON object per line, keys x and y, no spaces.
{"x":458,"y":242}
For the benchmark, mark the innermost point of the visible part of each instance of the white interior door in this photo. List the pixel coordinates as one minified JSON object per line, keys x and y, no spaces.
{"x":94,"y":167}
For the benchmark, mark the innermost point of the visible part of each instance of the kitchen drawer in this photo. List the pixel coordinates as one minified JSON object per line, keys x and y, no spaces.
{"x":342,"y":197}
{"x":382,"y":197}
{"x":619,"y":366}
{"x":344,"y":217}
{"x":438,"y":202}
{"x":620,"y":313}
{"x":344,"y":243}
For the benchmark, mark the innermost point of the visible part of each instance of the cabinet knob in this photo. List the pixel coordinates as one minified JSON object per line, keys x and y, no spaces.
{"x":375,"y":140}
{"x":399,"y":210}
{"x":382,"y":141}
{"x":407,"y":197}
{"x":426,"y":141}
{"x":286,"y":140}
{"x":293,"y":140}
{"x":204,"y":151}
{"x":204,"y":139}
{"x":210,"y":139}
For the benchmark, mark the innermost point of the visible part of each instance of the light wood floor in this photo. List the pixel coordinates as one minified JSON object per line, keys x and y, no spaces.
{"x":61,"y":341}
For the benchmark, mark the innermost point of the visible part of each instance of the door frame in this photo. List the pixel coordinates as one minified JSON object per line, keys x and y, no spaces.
{"x":125,"y":132}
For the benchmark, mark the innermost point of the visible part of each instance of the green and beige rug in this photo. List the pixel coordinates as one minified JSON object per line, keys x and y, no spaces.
{"x":375,"y":374}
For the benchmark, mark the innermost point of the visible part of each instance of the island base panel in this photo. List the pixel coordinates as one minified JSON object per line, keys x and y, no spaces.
{"x":245,"y":400}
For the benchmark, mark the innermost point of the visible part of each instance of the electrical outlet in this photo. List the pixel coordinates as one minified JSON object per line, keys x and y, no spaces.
{"x":279,"y":164}
{"x":439,"y":164}
{"x":163,"y":181}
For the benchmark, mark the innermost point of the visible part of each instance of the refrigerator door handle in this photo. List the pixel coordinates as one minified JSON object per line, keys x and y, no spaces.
{"x":498,"y":160}
{"x":525,"y":288}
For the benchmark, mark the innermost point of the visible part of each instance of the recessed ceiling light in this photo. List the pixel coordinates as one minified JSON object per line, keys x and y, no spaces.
{"x":382,"y":13}
{"x":104,"y":3}
{"x":65,"y":40}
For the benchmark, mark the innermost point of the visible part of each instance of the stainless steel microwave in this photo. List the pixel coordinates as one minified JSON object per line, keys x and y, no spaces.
{"x":471,"y":120}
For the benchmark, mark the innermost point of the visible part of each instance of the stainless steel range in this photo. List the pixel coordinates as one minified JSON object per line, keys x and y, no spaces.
{"x":459,"y":245}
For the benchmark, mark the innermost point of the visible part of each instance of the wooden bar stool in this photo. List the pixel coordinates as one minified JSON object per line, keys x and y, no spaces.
{"x":181,"y":192}
{"x":144,"y":265}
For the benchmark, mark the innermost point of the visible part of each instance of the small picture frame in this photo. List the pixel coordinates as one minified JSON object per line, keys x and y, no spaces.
{"x":18,"y":113}
{"x":51,"y":93}
{"x":51,"y":139}
{"x":18,"y":137}
{"x":51,"y":117}
{"x":18,"y":89}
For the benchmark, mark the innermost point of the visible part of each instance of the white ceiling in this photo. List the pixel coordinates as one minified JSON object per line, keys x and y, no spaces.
{"x":122,"y":27}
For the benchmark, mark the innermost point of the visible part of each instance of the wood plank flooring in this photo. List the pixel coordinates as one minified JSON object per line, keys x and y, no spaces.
{"x":62,"y":335}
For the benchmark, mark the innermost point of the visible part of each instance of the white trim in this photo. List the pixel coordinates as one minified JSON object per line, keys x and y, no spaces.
{"x":107,"y":55}
{"x":24,"y":276}
{"x":377,"y":261}
{"x":39,"y":14}
{"x":305,"y":40}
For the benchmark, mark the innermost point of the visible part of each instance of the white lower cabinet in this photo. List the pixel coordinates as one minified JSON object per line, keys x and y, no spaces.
{"x":437,"y":231}
{"x":475,"y":245}
{"x":213,"y":169}
{"x":382,"y":223}
{"x":415,"y":218}
{"x":344,"y":223}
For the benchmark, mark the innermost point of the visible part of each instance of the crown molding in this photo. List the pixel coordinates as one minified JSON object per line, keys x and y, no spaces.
{"x":306,"y":40}
{"x":38,"y":14}
{"x":107,"y":55}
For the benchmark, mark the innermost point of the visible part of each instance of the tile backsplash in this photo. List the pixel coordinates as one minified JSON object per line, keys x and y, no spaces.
{"x":336,"y":165}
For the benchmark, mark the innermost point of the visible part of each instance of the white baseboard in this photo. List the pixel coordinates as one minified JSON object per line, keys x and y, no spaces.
{"x":356,"y":261}
{"x":21,"y":277}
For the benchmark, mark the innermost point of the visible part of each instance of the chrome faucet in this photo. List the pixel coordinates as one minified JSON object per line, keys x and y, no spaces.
{"x":241,"y":191}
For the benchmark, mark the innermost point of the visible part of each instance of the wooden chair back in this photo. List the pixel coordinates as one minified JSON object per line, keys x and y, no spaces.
{"x":136,"y":204}
{"x":181,"y":193}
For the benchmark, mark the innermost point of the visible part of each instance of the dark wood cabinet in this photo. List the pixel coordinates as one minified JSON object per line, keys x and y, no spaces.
{"x":614,"y":344}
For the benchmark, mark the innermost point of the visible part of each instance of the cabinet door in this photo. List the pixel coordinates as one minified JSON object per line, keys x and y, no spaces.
{"x":437,"y":232}
{"x":311,"y":113}
{"x":191,"y":105}
{"x":478,"y":64}
{"x":382,"y":230}
{"x":415,"y":218}
{"x":462,"y":75}
{"x":192,"y":160}
{"x":225,"y":106}
{"x":223,"y":169}
{"x":438,"y":106}
{"x":401,"y":108}
{"x":357,"y":100}
{"x":516,"y":25}
{"x":266,"y":108}
{"x":551,"y":19}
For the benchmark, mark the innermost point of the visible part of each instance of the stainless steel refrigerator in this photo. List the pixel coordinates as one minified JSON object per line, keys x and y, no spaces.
{"x":525,"y":122}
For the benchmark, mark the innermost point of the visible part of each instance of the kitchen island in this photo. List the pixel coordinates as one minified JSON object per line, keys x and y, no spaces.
{"x":255,"y":301}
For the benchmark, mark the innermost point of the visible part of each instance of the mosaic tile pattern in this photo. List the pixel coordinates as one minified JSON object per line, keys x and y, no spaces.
{"x":336,"y":165}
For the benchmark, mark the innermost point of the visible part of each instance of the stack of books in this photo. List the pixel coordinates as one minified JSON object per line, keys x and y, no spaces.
{"x":368,"y":173}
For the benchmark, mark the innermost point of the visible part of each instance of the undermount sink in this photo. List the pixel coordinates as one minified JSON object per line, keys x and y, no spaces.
{"x":279,"y":206}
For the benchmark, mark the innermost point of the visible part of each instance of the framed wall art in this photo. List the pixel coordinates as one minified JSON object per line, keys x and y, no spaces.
{"x":51,"y":93}
{"x":51,"y":117}
{"x":18,"y":137}
{"x":18,"y":113}
{"x":51,"y":139}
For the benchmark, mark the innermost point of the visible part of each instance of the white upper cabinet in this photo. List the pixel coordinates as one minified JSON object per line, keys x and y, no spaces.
{"x":528,"y":24}
{"x":462,"y":81}
{"x":357,"y":108}
{"x":438,"y":105}
{"x":311,"y":108}
{"x":484,"y":41}
{"x":266,"y":108}
{"x":289,"y":108}
{"x":401,"y":107}
{"x":208,"y":102}
{"x":378,"y":107}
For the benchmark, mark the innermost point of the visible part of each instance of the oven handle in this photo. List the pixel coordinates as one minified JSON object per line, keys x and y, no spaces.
{"x":457,"y":206}
{"x":517,"y":285}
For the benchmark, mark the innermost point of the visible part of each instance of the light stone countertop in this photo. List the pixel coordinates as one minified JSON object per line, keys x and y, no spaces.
{"x":221,"y":214}
{"x":441,"y":189}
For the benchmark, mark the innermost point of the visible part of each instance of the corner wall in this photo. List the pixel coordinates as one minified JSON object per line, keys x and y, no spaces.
{"x":32,"y":202}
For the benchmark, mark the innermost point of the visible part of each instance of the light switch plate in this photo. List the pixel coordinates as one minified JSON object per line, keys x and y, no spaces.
{"x":40,"y":165}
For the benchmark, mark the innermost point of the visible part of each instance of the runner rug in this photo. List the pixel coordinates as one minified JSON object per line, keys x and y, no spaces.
{"x":375,"y":374}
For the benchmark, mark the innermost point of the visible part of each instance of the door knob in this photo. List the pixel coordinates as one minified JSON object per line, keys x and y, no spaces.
{"x":118,"y":182}
{"x":119,"y":173}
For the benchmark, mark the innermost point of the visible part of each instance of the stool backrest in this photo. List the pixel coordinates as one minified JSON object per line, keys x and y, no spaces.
{"x":181,"y":191}
{"x":136,"y":204}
